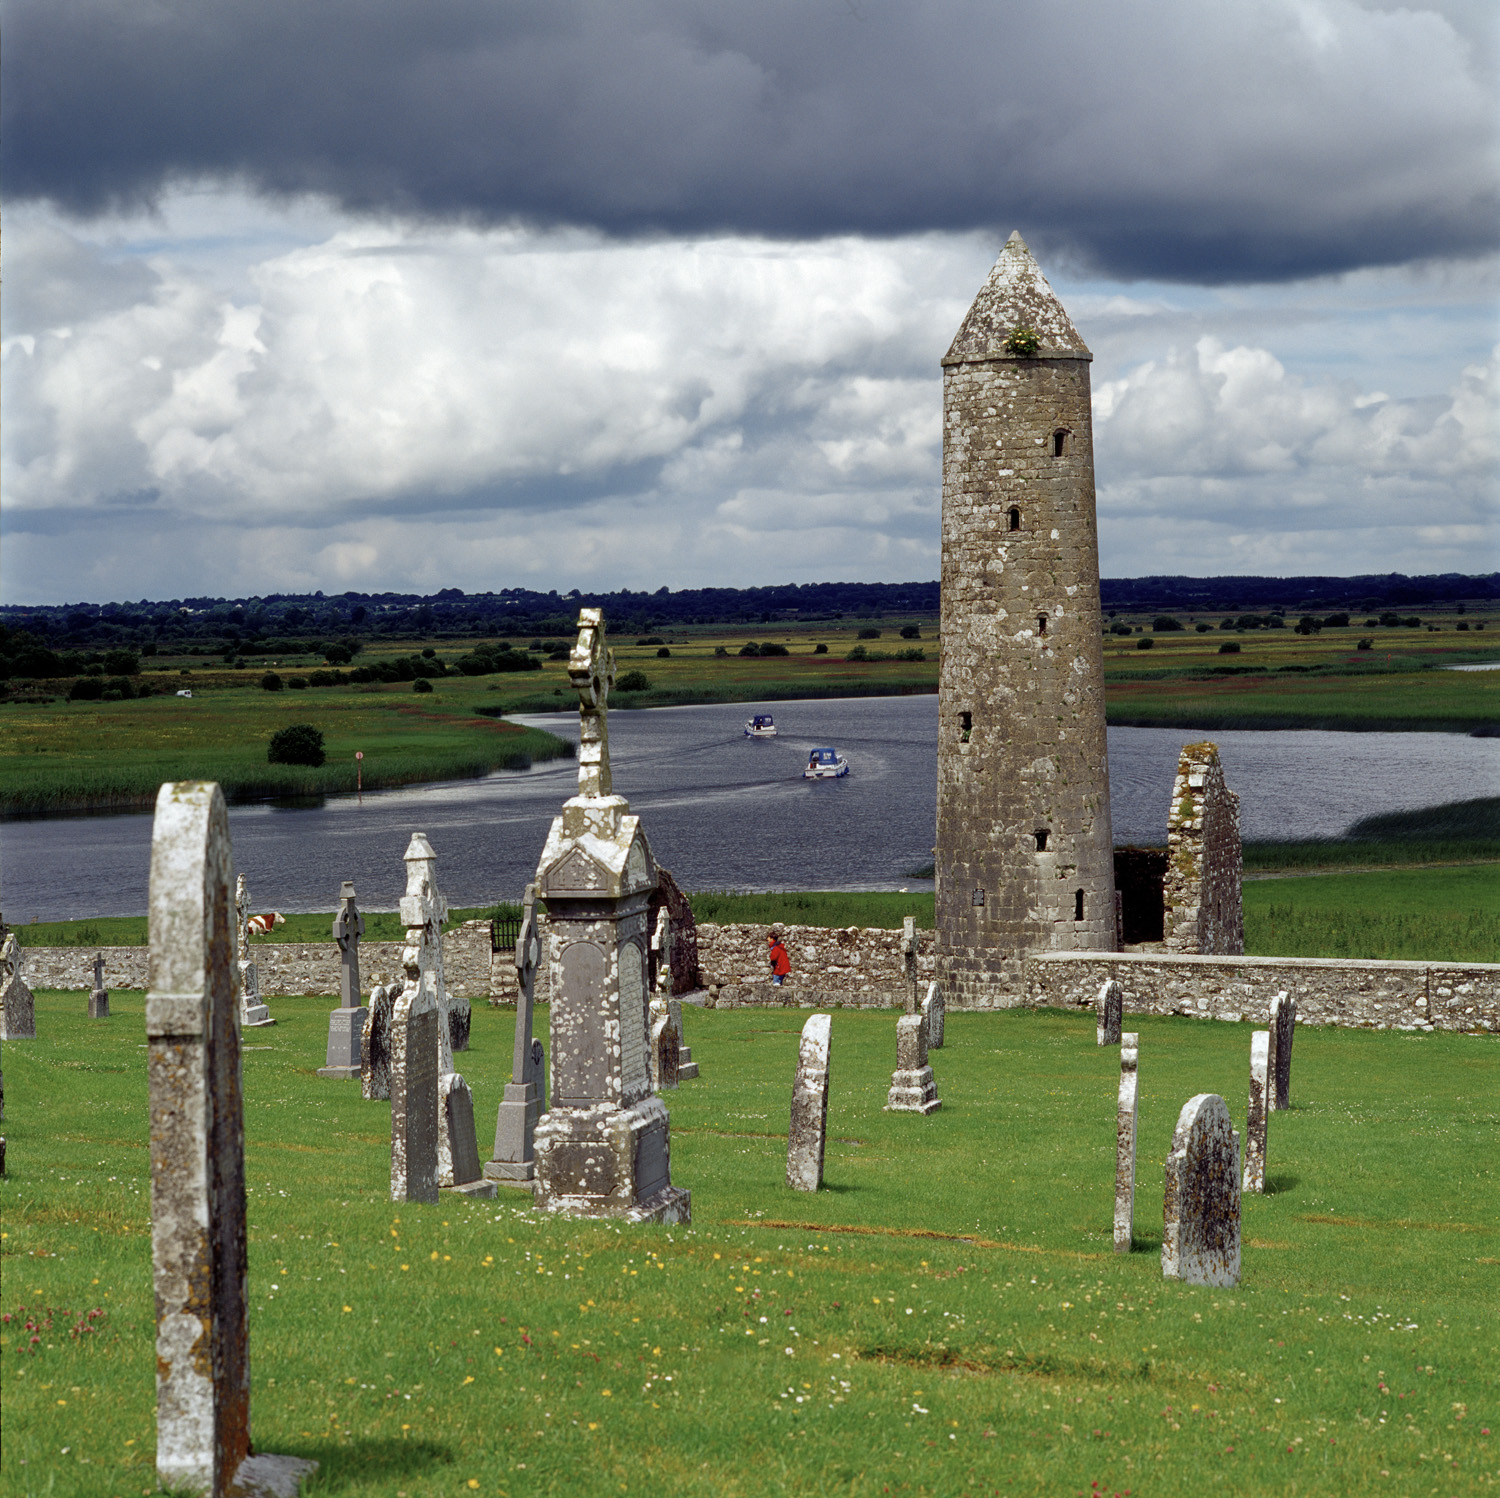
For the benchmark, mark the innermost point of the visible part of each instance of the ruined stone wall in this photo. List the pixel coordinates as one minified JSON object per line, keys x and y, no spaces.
{"x":1024,"y":855}
{"x":1329,"y":991}
{"x":1201,"y":892}
{"x":284,"y":967}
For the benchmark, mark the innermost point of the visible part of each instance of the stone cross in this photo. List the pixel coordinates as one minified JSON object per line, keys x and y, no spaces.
{"x":17,"y":1006}
{"x":514,"y":1162}
{"x":935,"y":1012}
{"x":252,"y":1011}
{"x":1257,"y":1111}
{"x":912,"y":1087}
{"x":604,"y":1148}
{"x":591,"y":669}
{"x":423,"y":911}
{"x":198,"y":1244}
{"x":1283,"y":1029}
{"x":661,"y":953}
{"x":99,"y":995}
{"x":346,"y":1023}
{"x":1110,"y":1006}
{"x":1201,"y":1210}
{"x":909,"y":962}
{"x":808,"y":1133}
{"x":1125,"y":1144}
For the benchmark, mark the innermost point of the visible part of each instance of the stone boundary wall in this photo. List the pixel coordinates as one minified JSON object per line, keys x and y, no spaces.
{"x":284,"y":968}
{"x":852,"y":960}
{"x":1328,"y":990}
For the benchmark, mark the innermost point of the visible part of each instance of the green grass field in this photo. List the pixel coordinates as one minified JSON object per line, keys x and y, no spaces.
{"x":1435,"y":914}
{"x":946,"y":1318}
{"x":58,"y":755}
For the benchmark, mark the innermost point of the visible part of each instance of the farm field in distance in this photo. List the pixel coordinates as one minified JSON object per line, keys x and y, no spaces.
{"x":60,"y":755}
{"x":946,"y":1317}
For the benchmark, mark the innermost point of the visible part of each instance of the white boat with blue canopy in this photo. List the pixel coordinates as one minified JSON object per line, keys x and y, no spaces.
{"x":761,"y":726}
{"x":825,"y":764}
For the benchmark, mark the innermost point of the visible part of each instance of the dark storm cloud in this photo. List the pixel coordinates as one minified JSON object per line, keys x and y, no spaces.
{"x":1261,"y":139}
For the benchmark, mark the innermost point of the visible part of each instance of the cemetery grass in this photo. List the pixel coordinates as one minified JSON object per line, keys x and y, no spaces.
{"x":948,"y":1310}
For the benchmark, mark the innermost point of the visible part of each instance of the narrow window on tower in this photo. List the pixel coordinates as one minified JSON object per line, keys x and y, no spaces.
{"x":1041,"y":624}
{"x":1042,"y":834}
{"x":1015,"y":518}
{"x":1059,"y":443}
{"x":1077,"y":904}
{"x":965,"y":727}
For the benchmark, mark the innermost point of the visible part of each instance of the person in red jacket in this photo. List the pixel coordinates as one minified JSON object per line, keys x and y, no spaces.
{"x":781,"y":964}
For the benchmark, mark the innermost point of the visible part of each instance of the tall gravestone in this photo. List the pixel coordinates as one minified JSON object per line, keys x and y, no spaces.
{"x":198,"y":1245}
{"x":935,"y":1012}
{"x":1283,"y":1029}
{"x":375,"y":1042}
{"x":664,"y":1014}
{"x":1257,"y":1111}
{"x":604,"y":1148}
{"x":1125,"y":1143}
{"x":1111,"y":1011}
{"x":414,"y":1095}
{"x":17,"y":1006}
{"x":911,"y":998}
{"x":99,"y":995}
{"x":913,"y":1089}
{"x":1024,"y":853}
{"x":1201,"y":1209}
{"x":346,"y":1024}
{"x":252,"y":1012}
{"x":514,"y":1161}
{"x":808,"y":1133}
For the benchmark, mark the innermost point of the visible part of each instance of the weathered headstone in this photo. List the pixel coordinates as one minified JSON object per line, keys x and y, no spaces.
{"x":414,"y":1094}
{"x":935,"y":1012}
{"x":252,"y":1011}
{"x":464,"y":1175}
{"x":604,"y":1148}
{"x":346,"y":1024}
{"x":1125,"y":1143}
{"x":808,"y":1132}
{"x":375,"y":1042}
{"x":514,"y":1163}
{"x":910,"y":995}
{"x":98,"y":994}
{"x":666,"y":1051}
{"x":913,"y":1089}
{"x":198,"y":1245}
{"x":1201,"y":1212}
{"x":1257,"y":1112}
{"x":663,"y":1014}
{"x":1111,"y":1011}
{"x":17,"y":1006}
{"x":1283,"y":1030}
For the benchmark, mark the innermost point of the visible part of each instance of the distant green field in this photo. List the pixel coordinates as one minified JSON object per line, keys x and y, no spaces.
{"x":1436,"y":914}
{"x":946,"y":1318}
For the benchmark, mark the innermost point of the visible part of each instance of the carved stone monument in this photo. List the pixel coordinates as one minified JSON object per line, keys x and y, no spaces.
{"x":604,"y":1148}
{"x":911,"y":997}
{"x":375,"y":1043}
{"x":1201,"y":893}
{"x":1111,"y":1010}
{"x":913,"y":1089}
{"x":514,"y":1162}
{"x":1201,"y":1213}
{"x":935,"y":1012}
{"x":198,"y":1245}
{"x":99,"y":995}
{"x":414,"y":1095}
{"x":664,"y":1014}
{"x":1257,"y":1111}
{"x":808,"y":1132}
{"x":1283,"y":1029}
{"x":17,"y":1006}
{"x":346,"y":1024}
{"x":1125,"y":1144}
{"x":252,"y":1011}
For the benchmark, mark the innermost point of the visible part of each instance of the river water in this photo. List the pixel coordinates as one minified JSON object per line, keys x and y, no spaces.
{"x":725,"y":812}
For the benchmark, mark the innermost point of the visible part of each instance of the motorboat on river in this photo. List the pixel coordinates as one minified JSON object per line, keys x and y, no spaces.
{"x":761,"y":726}
{"x":825,"y":764}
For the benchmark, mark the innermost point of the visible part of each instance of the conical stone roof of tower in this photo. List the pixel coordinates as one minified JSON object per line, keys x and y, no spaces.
{"x":1016,"y":296}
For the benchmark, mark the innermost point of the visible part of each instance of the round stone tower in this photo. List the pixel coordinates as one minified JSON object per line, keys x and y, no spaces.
{"x":1025,"y":856}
